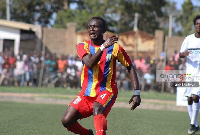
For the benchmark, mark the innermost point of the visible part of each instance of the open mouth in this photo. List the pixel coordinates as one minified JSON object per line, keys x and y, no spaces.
{"x":93,"y":35}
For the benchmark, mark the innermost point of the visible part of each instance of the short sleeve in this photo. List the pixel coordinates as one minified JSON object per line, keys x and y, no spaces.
{"x":83,"y":49}
{"x":184,"y":45}
{"x":123,"y":57}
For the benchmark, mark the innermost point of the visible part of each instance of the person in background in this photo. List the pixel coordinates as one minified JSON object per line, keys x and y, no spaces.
{"x":1,"y":63}
{"x":29,"y":70}
{"x":6,"y":66}
{"x":190,"y":50}
{"x":20,"y":71}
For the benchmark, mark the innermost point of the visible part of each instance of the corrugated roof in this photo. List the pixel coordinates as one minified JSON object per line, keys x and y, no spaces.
{"x":17,"y":25}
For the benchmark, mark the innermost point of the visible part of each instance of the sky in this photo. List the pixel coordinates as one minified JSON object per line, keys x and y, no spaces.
{"x":180,"y":2}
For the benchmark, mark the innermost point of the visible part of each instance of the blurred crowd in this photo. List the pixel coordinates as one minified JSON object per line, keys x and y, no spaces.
{"x":38,"y":69}
{"x":146,"y":70}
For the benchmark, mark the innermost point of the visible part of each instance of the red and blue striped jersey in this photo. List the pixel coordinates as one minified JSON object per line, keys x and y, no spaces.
{"x":101,"y":76}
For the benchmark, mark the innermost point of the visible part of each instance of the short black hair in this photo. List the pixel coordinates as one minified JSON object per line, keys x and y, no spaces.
{"x":197,"y":17}
{"x":100,"y":18}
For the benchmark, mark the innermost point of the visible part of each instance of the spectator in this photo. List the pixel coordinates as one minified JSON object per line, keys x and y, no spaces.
{"x":12,"y":59}
{"x":176,"y":55}
{"x":29,"y":71}
{"x":20,"y":71}
{"x":62,"y":63}
{"x":1,"y":63}
{"x":21,"y":53}
{"x":36,"y":71}
{"x":6,"y":66}
{"x":148,"y":80}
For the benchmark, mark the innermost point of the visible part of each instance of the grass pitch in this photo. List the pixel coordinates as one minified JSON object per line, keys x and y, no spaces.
{"x":43,"y":119}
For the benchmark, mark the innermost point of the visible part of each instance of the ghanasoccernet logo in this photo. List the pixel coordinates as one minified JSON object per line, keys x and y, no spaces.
{"x":174,"y":76}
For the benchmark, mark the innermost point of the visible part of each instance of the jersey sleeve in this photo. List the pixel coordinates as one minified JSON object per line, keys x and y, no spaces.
{"x":123,"y":57}
{"x":184,"y":45}
{"x":83,"y":49}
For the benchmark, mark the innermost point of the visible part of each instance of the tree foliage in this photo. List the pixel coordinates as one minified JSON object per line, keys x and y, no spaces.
{"x":33,"y":11}
{"x":188,"y":13}
{"x":119,"y":14}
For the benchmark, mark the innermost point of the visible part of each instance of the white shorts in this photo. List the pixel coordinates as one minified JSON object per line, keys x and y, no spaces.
{"x":190,"y":91}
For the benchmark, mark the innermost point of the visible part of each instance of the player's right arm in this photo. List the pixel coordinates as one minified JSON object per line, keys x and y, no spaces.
{"x":91,"y":60}
{"x":184,"y":49}
{"x":184,"y":54}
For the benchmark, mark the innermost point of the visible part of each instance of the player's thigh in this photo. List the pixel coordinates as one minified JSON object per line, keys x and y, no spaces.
{"x":83,"y":104}
{"x":107,"y":100}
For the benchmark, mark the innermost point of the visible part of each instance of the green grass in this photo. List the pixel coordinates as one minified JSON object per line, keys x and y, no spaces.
{"x":43,"y":119}
{"x":60,"y":92}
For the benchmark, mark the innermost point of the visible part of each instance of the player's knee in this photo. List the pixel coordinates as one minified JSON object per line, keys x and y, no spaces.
{"x":98,"y":109}
{"x":66,"y":122}
{"x":196,"y":99}
{"x":190,"y":100}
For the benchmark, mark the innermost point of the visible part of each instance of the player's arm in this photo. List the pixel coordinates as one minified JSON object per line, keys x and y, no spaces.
{"x":91,"y":60}
{"x":184,"y":54}
{"x":135,"y":82}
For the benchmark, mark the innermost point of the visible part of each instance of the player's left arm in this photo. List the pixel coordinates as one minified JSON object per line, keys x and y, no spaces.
{"x":135,"y":82}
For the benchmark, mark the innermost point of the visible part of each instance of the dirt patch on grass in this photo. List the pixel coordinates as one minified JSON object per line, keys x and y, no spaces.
{"x":44,"y":98}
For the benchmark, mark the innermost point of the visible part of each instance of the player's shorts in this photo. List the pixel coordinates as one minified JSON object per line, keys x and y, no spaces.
{"x":190,"y":91}
{"x":84,"y":104}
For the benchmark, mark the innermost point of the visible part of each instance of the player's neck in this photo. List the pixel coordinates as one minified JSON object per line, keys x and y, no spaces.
{"x":197,"y":34}
{"x":98,"y":42}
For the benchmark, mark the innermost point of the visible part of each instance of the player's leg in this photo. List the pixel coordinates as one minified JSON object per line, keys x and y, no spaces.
{"x":195,"y":111}
{"x":100,"y":122}
{"x":191,"y":130}
{"x":70,"y":117}
{"x":189,"y":106}
{"x":101,"y":108}
{"x":78,"y":109}
{"x":69,"y":121}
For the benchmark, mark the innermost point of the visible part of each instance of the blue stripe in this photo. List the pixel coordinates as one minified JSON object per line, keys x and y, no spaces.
{"x":90,"y":75}
{"x":109,"y":102}
{"x":106,"y":69}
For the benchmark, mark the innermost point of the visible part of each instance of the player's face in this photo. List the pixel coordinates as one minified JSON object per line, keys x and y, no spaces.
{"x":95,"y":29}
{"x":197,"y":25}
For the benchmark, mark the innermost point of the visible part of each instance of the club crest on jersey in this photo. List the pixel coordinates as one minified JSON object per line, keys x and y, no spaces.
{"x":108,"y":57}
{"x":78,"y":99}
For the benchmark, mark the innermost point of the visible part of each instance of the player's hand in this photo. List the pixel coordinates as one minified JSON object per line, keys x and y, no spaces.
{"x":110,"y":41}
{"x":136,"y":101}
{"x":187,"y":53}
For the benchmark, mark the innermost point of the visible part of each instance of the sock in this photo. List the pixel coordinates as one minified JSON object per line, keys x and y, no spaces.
{"x":100,"y":124}
{"x":196,"y":123}
{"x":190,"y":110}
{"x":195,"y":108}
{"x":78,"y":129}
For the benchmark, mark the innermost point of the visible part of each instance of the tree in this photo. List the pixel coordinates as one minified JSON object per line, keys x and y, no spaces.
{"x":185,"y":18}
{"x":81,"y":15}
{"x":119,"y":14}
{"x":34,"y":11}
{"x":169,"y":8}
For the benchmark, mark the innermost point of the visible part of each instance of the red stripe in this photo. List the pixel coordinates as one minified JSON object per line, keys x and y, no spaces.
{"x":101,"y":69}
{"x":127,"y":58}
{"x":80,"y":50}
